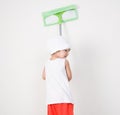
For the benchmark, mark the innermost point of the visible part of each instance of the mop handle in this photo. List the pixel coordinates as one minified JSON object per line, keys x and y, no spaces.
{"x":60,"y":29}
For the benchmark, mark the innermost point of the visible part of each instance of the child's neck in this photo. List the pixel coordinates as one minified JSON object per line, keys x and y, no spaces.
{"x":53,"y":57}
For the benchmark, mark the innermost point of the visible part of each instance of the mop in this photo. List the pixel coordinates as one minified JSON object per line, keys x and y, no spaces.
{"x":59,"y":16}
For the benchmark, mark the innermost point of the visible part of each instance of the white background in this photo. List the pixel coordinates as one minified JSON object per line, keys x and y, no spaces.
{"x":94,"y":58}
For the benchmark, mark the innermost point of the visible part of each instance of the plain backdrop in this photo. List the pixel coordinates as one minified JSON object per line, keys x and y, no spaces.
{"x":94,"y":58}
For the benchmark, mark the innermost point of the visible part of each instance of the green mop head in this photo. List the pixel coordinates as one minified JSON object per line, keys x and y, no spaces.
{"x":60,"y":15}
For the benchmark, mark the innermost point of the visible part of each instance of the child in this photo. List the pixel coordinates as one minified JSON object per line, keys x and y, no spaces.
{"x":57,"y":73}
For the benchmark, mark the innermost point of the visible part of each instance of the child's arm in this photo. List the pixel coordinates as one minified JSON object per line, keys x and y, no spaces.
{"x":68,"y":70}
{"x":43,"y":74}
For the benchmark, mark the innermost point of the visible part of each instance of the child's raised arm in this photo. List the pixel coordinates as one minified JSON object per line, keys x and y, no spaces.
{"x":68,"y":70}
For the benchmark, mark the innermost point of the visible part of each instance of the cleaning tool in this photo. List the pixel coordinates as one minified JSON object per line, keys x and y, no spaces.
{"x":59,"y":16}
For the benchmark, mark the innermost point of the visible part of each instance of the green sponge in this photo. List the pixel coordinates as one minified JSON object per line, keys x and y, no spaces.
{"x":60,"y":15}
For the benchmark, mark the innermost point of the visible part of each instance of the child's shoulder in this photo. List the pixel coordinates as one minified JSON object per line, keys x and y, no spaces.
{"x":62,"y":59}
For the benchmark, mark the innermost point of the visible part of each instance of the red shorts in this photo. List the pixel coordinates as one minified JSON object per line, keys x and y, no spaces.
{"x":60,"y":109}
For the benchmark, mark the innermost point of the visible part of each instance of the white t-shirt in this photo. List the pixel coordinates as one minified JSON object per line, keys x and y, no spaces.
{"x":57,"y":85}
